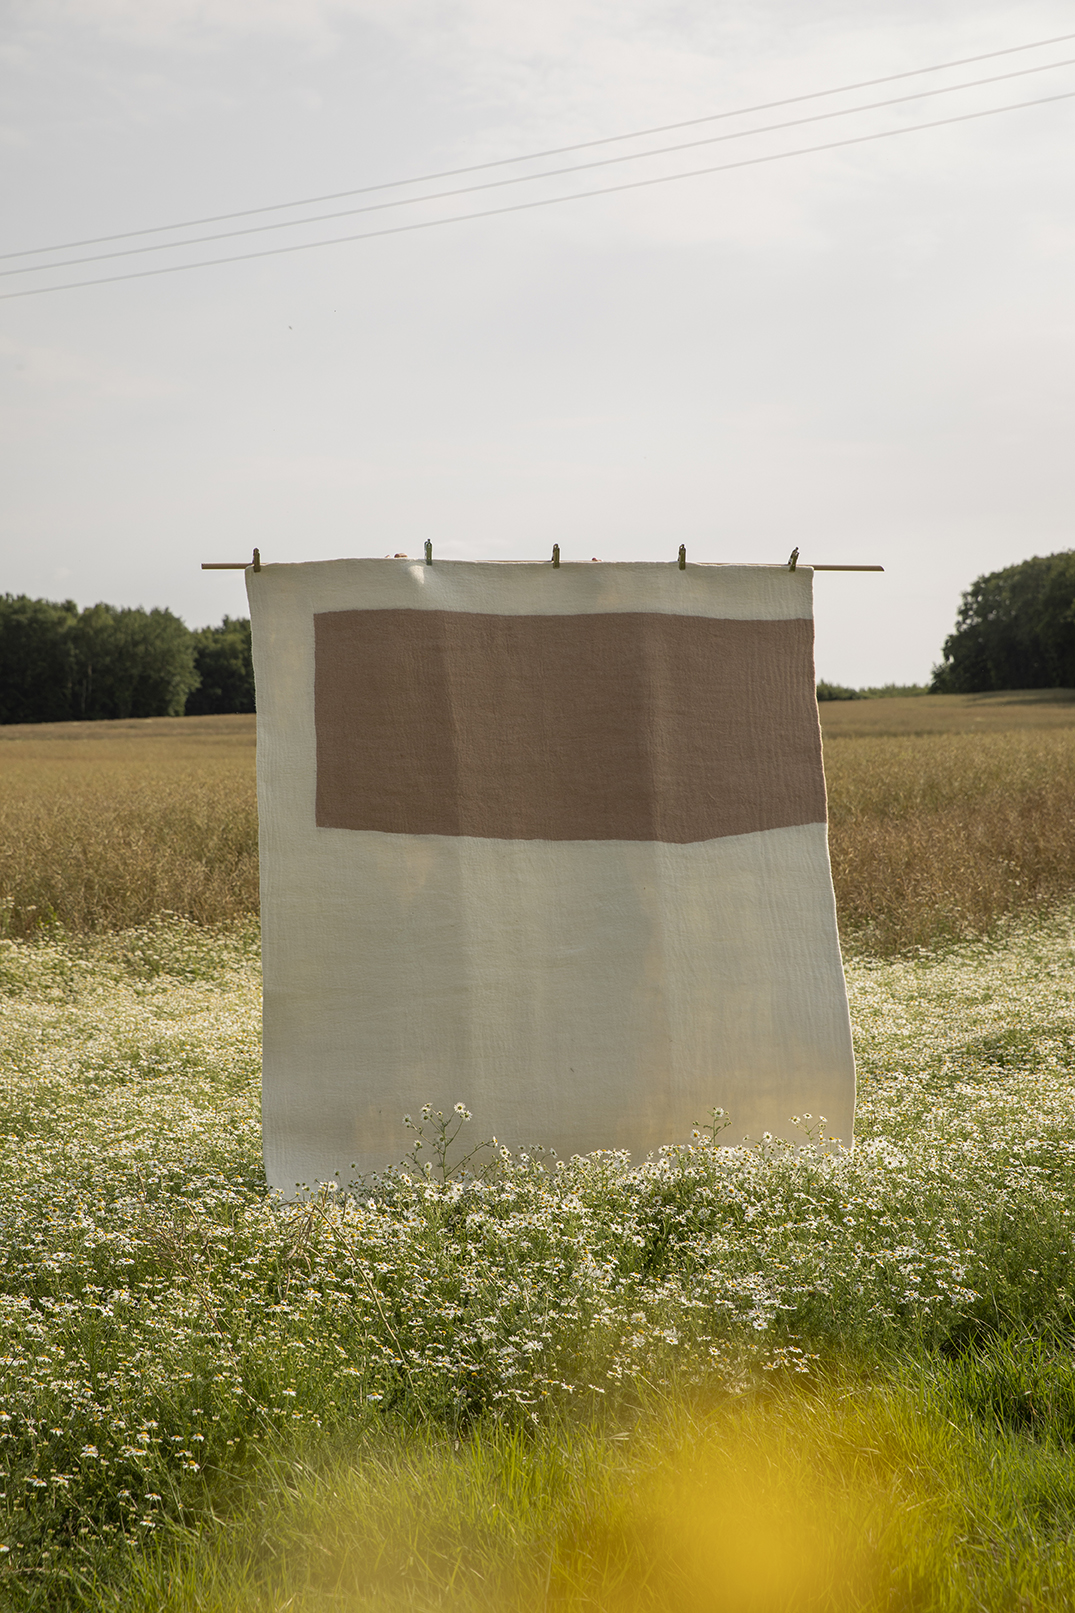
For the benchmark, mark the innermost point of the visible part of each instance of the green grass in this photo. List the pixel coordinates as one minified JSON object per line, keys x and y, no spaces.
{"x":511,"y":1388}
{"x":932,"y":1489}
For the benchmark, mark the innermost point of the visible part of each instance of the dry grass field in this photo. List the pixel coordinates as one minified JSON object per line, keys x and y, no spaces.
{"x":1008,"y":712}
{"x":105,"y":824}
{"x":949,"y":813}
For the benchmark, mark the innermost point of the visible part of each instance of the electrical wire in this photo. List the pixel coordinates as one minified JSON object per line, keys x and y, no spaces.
{"x":518,"y":179}
{"x":545,"y":201}
{"x":536,"y":156}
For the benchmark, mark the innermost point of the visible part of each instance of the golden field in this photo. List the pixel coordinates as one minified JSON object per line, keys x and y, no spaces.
{"x":104,"y":824}
{"x":948,"y":814}
{"x":1004,"y":713}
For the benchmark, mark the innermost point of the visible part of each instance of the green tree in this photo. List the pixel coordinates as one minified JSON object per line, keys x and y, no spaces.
{"x":58,"y":663}
{"x":131,"y":663}
{"x":1015,"y":630}
{"x":36,"y":664}
{"x":223,"y":660}
{"x":837,"y":691}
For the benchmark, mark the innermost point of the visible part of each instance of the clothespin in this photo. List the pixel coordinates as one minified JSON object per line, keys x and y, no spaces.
{"x":794,"y":560}
{"x":683,"y":557}
{"x":556,"y":555}
{"x":429,"y":552}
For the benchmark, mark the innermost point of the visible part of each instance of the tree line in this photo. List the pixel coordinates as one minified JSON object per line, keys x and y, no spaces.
{"x":1015,"y":629}
{"x":62,"y":664}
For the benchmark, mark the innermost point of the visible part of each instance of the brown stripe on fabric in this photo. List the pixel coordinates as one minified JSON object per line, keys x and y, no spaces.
{"x":625,"y":726}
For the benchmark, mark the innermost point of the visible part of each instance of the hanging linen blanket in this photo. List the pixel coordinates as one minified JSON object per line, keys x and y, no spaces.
{"x":550,"y":842}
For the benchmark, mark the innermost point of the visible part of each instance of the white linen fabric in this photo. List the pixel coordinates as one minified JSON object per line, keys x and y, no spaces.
{"x":577,"y":990}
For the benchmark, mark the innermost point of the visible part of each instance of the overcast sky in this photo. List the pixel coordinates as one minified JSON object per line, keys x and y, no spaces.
{"x":867,"y":352}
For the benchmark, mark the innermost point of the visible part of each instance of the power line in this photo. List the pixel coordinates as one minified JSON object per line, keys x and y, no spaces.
{"x":536,"y":156}
{"x":518,"y":179}
{"x":546,"y":201}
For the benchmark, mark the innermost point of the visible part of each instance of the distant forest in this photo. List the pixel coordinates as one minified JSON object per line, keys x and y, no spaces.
{"x":1015,"y":630}
{"x":62,"y":664}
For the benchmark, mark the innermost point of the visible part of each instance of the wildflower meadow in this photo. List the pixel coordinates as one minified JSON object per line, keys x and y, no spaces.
{"x":208,"y":1395}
